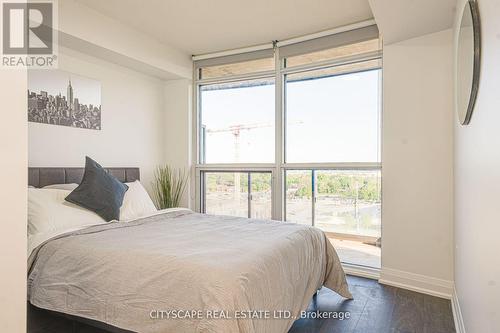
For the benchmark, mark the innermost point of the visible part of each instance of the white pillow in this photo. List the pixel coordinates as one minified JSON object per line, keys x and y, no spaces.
{"x":50,"y":215}
{"x":136,"y":202}
{"x":70,"y":186}
{"x":48,"y":211}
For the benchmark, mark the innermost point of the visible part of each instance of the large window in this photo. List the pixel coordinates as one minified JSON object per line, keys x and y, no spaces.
{"x":292,"y":133}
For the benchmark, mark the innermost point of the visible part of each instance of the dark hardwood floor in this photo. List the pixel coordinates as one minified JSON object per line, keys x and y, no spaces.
{"x":378,"y":309}
{"x":375,"y":309}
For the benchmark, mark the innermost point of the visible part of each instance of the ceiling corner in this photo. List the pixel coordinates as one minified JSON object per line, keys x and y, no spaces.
{"x":399,"y":20}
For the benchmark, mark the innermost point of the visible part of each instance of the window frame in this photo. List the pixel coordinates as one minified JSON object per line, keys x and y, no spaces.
{"x":279,"y":167}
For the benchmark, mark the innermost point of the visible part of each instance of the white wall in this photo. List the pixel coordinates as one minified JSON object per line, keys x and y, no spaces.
{"x":109,"y":35}
{"x":417,"y":160}
{"x":178,"y":130}
{"x":13,"y":200}
{"x":477,"y":190}
{"x":133,"y":129}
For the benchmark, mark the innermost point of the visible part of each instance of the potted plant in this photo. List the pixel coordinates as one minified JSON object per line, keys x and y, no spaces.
{"x":169,"y":185}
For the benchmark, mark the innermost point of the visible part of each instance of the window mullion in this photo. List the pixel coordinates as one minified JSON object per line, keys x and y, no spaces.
{"x":277,"y":184}
{"x":249,"y":196}
{"x":313,"y":196}
{"x":203,"y":193}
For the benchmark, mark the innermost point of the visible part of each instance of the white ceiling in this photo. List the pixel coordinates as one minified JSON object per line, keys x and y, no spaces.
{"x":398,"y":20}
{"x":204,"y":26}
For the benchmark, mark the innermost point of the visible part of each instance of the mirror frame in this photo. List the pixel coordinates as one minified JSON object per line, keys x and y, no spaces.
{"x":473,"y":6}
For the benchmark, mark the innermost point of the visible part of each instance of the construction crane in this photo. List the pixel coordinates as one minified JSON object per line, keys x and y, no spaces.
{"x":236,"y":131}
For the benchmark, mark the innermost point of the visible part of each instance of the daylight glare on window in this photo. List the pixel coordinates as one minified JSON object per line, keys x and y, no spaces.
{"x":237,"y":122}
{"x":333,"y":118}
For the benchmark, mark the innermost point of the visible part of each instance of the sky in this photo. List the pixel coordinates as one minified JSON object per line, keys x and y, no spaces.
{"x":333,"y":119}
{"x":88,"y":91}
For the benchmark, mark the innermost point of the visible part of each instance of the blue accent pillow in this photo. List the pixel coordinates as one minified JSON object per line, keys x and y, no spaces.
{"x":99,"y":192}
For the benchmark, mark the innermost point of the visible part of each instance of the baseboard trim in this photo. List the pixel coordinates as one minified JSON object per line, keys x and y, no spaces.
{"x":457,"y":313}
{"x":362,"y":271}
{"x":416,"y":282}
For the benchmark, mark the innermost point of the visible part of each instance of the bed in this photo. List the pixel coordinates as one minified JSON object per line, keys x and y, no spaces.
{"x":180,"y":271}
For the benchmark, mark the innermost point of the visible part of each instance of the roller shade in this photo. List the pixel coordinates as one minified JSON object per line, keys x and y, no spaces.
{"x":297,"y":52}
{"x":235,"y":58}
{"x":329,"y":42}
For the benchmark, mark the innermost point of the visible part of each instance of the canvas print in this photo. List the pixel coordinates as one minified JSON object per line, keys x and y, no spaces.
{"x":60,"y":98}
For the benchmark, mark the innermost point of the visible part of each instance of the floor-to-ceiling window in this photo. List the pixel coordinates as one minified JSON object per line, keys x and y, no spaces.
{"x":293,"y":133}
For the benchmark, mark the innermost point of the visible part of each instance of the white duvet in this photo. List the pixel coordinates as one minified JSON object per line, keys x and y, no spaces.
{"x":127,"y":274}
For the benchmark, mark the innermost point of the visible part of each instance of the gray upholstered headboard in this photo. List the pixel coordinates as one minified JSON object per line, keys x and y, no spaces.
{"x":40,"y":177}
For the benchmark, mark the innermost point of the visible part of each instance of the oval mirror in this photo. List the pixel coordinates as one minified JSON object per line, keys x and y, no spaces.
{"x":468,"y":62}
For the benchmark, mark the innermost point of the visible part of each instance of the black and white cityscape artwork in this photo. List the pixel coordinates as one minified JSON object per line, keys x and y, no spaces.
{"x":61,"y":98}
